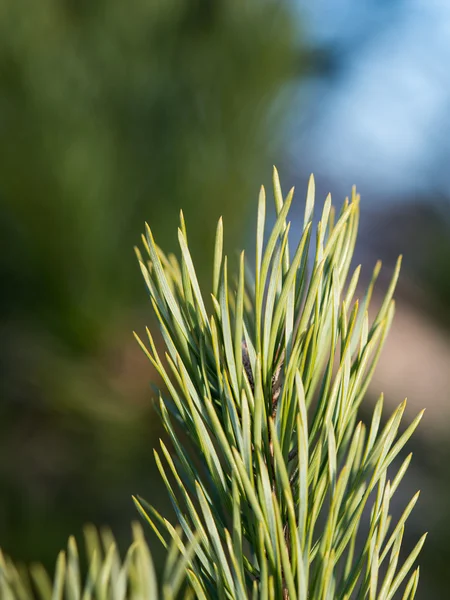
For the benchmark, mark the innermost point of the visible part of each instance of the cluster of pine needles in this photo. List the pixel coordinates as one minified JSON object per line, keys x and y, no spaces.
{"x":279,"y":489}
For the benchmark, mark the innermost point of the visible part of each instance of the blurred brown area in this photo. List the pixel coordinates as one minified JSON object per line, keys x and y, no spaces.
{"x":415,"y":363}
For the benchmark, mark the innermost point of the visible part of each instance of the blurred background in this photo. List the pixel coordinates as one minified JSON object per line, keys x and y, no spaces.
{"x":114,"y":113}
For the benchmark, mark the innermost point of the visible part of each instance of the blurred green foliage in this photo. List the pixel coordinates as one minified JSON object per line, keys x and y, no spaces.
{"x":111,"y":113}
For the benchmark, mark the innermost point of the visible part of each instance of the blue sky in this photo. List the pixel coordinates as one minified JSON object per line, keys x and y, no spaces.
{"x":383,"y":119}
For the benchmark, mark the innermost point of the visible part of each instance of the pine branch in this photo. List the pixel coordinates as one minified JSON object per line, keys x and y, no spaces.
{"x":268,"y":387}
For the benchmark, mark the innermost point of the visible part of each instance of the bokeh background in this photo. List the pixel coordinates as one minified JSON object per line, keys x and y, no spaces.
{"x":113,"y":113}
